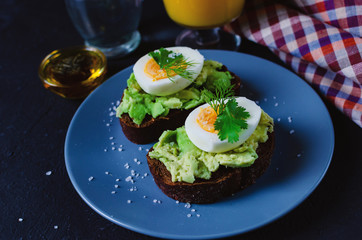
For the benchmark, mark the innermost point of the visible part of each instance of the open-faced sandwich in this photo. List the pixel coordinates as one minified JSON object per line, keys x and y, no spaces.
{"x":165,"y":86}
{"x":225,"y":145}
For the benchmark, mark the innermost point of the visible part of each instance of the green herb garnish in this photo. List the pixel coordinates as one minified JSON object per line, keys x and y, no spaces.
{"x":231,"y":118}
{"x":172,"y":63}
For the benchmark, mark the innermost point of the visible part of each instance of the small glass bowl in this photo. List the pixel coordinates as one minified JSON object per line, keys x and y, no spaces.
{"x":73,"y":72}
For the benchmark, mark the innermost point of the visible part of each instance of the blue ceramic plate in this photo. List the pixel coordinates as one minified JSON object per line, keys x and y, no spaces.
{"x":111,"y":174}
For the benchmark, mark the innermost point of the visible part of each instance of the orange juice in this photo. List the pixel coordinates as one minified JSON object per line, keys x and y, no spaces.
{"x":202,"y":14}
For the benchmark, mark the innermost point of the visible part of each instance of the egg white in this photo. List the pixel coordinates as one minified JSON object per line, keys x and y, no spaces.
{"x":210,"y":142}
{"x":164,"y":87}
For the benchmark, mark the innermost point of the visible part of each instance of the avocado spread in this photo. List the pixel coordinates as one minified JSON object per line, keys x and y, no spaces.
{"x":186,"y":162}
{"x":138,"y":103}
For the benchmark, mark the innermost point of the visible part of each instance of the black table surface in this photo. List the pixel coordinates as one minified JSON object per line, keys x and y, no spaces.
{"x":34,"y":122}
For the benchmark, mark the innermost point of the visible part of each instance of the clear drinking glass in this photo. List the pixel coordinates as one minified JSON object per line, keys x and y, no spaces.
{"x":203,"y":19}
{"x":109,"y":25}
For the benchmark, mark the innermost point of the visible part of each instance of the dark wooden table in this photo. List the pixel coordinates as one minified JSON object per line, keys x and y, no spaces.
{"x":34,"y":121}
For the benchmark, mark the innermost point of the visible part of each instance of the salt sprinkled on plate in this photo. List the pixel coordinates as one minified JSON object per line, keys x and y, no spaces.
{"x":55,"y":227}
{"x":289,"y":119}
{"x":291,"y":131}
{"x":90,"y":178}
{"x":20,"y":219}
{"x":48,"y":173}
{"x":187,"y":205}
{"x":129,"y":179}
{"x":129,"y":201}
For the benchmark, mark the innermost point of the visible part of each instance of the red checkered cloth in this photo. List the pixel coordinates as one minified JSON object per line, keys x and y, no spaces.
{"x":319,"y":40}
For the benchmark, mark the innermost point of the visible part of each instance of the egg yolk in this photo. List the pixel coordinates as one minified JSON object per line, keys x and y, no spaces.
{"x":206,"y":119}
{"x":153,"y":70}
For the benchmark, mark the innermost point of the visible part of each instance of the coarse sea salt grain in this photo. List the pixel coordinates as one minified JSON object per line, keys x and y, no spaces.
{"x":299,"y":155}
{"x":129,"y":179}
{"x":90,"y":178}
{"x":48,"y":173}
{"x":55,"y":227}
{"x":289,"y":119}
{"x":187,"y":205}
{"x":291,"y":131}
{"x":20,"y":219}
{"x":189,"y":215}
{"x":129,"y":201}
{"x":113,"y":192}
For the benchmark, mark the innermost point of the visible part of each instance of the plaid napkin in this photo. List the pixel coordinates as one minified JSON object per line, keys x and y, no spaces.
{"x":318,"y":39}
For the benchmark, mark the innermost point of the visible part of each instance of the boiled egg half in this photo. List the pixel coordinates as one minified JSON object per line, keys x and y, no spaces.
{"x":154,"y":80}
{"x":199,"y":127}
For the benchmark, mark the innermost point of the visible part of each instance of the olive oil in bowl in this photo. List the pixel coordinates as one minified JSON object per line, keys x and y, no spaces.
{"x":73,"y":72}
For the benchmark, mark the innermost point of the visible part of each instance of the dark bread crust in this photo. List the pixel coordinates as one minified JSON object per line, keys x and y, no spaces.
{"x":151,"y":128}
{"x":224,"y":182}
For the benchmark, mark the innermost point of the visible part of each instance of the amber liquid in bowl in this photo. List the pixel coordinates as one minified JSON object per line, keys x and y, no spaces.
{"x":203,"y":14}
{"x":73,"y":72}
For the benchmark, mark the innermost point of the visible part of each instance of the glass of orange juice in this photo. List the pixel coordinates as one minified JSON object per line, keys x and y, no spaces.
{"x":203,"y":19}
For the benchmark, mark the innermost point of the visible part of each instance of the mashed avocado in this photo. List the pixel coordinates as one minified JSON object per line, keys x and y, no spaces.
{"x":138,"y":103}
{"x":186,"y":162}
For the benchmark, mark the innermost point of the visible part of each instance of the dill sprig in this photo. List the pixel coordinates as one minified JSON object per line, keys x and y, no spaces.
{"x":172,"y":63}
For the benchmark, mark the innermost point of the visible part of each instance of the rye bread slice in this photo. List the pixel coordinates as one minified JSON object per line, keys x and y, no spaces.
{"x":152,"y":128}
{"x":224,"y":182}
